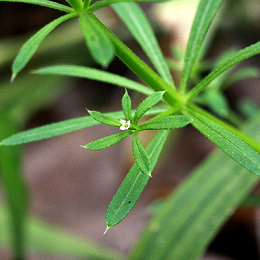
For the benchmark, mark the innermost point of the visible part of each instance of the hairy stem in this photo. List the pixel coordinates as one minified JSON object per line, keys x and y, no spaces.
{"x":140,"y":68}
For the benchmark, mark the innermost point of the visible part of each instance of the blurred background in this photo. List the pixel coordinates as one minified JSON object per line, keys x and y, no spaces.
{"x":71,"y":187}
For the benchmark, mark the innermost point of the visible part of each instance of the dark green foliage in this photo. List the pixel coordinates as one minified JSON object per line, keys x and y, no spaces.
{"x":207,"y":197}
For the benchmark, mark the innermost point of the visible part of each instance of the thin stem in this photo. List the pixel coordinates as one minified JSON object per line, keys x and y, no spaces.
{"x":139,"y":67}
{"x":173,"y":110}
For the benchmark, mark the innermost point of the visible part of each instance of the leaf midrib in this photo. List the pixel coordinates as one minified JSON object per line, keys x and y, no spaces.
{"x":154,"y":148}
{"x":194,"y":46}
{"x":219,"y":134}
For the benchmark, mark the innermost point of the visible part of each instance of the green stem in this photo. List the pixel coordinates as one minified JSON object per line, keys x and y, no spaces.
{"x":139,"y":67}
{"x":173,"y":110}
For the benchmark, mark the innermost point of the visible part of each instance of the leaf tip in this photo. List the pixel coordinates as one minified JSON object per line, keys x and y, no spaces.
{"x":34,"y":71}
{"x":89,"y":111}
{"x":83,"y":146}
{"x":163,"y":92}
{"x":107,"y":228}
{"x":104,"y":65}
{"x":13,"y":77}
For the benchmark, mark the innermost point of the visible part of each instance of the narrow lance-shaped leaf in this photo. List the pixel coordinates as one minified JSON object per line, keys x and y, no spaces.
{"x":234,"y":59}
{"x":104,"y":119}
{"x":245,"y":73}
{"x":217,"y":102}
{"x":94,"y":74}
{"x":134,"y":184}
{"x":247,"y":139}
{"x":30,"y":47}
{"x":143,"y":71}
{"x":227,"y":141}
{"x":48,"y":239}
{"x":164,"y":123}
{"x":107,"y":141}
{"x":189,"y":219}
{"x":45,"y":3}
{"x":248,"y":107}
{"x":141,"y":157}
{"x":100,"y":46}
{"x":100,"y":4}
{"x":15,"y":189}
{"x":126,"y":105}
{"x":206,"y":12}
{"x":63,"y":127}
{"x":139,"y":26}
{"x":86,"y":4}
{"x":147,"y":104}
{"x":224,"y":55}
{"x":76,"y":4}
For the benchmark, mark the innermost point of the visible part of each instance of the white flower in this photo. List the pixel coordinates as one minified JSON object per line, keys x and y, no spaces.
{"x":124,"y":124}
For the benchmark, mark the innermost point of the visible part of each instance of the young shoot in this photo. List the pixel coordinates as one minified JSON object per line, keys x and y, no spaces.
{"x":130,"y":126}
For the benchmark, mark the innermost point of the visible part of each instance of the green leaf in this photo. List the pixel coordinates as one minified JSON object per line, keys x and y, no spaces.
{"x":134,"y":184}
{"x":186,"y":223}
{"x":104,"y":119}
{"x":251,"y":201}
{"x":139,"y":26}
{"x":245,"y":73}
{"x":63,"y":127}
{"x":99,"y":45}
{"x":48,"y":239}
{"x":126,"y":105}
{"x":226,"y":140}
{"x":247,"y":139}
{"x":28,"y":94}
{"x":164,"y":123}
{"x":147,"y":104}
{"x":107,"y":141}
{"x":206,"y":12}
{"x":248,"y":107}
{"x":76,"y":4}
{"x":94,"y":74}
{"x":234,"y":59}
{"x":224,"y":55}
{"x":30,"y":47}
{"x":143,"y":71}
{"x":141,"y":157}
{"x":86,"y":4}
{"x":14,"y":188}
{"x":45,"y":3}
{"x":104,"y":3}
{"x":217,"y":102}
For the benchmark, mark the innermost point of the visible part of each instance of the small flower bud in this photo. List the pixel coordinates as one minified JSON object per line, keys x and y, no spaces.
{"x":124,"y":124}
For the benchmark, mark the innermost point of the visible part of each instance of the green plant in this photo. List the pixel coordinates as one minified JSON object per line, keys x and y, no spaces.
{"x":182,"y":107}
{"x":158,"y":123}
